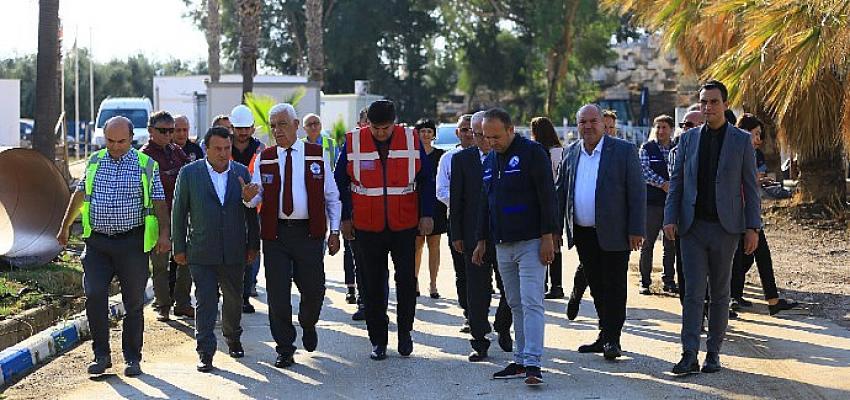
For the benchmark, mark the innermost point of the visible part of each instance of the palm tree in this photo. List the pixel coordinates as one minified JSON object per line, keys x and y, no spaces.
{"x":47,"y":79}
{"x":315,"y":46}
{"x":249,"y":22}
{"x":785,"y":57}
{"x":213,"y":33}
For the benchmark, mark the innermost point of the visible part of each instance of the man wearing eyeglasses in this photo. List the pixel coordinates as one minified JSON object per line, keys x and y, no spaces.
{"x":170,"y":159}
{"x":313,"y":127}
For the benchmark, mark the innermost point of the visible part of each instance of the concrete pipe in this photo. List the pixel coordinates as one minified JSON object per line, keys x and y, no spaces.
{"x":33,"y":199}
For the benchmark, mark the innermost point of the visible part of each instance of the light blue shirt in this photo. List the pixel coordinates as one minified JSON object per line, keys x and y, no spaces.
{"x":219,"y":181}
{"x":585,"y":189}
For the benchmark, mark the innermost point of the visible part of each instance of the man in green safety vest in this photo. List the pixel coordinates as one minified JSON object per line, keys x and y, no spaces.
{"x":124,"y":217}
{"x":313,"y":127}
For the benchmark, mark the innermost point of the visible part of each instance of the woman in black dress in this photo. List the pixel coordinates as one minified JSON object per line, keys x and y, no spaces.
{"x":427,"y":131}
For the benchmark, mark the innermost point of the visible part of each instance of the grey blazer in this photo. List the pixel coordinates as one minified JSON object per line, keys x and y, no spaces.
{"x":620,"y":194}
{"x":209,"y":233}
{"x":737,"y":190}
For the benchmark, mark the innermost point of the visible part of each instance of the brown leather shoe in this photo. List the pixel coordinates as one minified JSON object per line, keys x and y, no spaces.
{"x":187,"y":312}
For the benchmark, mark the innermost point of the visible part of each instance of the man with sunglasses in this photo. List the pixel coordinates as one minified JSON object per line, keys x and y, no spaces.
{"x":170,"y":159}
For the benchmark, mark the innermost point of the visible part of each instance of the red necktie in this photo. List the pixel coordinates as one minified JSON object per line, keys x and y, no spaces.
{"x":287,"y":185}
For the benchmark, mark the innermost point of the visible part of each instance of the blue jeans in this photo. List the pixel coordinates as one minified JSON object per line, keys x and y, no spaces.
{"x":524,"y":276}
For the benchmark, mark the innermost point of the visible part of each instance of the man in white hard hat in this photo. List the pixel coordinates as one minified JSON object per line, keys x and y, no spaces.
{"x":245,"y":150}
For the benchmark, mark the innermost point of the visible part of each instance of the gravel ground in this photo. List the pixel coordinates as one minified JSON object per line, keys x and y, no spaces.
{"x":811,"y":261}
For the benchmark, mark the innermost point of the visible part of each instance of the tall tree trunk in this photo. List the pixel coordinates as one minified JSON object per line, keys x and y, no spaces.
{"x":315,"y":46}
{"x":47,"y":99}
{"x":214,"y":40}
{"x":558,"y":57}
{"x":249,"y":21}
{"x":822,"y":179}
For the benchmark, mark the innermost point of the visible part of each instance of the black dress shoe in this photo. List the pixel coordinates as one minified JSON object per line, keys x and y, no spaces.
{"x":465,"y":328}
{"x":572,"y":308}
{"x":782,"y":305}
{"x":205,"y":365}
{"x":310,"y":339}
{"x":284,"y":361}
{"x":359,"y":315}
{"x":378,"y":353}
{"x":687,"y":365}
{"x":506,"y":342}
{"x":711,"y":363}
{"x":235,"y":350}
{"x":671,"y":288}
{"x":611,"y":351}
{"x":247,"y":308}
{"x":595,"y":347}
{"x":435,"y":295}
{"x":351,"y":298}
{"x":743,"y":302}
{"x":555,"y":293}
{"x":477,"y":356}
{"x":405,"y":344}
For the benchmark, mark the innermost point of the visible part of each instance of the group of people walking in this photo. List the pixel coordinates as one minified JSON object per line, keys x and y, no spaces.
{"x":206,"y":213}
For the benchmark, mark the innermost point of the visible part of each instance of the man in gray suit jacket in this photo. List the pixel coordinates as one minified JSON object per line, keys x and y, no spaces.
{"x":602,"y":200}
{"x":713,"y":199}
{"x":216,"y":235}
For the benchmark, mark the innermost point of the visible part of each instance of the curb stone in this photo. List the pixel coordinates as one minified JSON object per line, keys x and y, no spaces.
{"x":17,"y":361}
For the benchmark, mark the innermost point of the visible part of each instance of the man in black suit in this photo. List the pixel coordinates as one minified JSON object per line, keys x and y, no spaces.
{"x":465,"y":188}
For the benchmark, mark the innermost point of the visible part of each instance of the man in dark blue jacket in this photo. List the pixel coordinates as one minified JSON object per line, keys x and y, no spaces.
{"x":518,"y":214}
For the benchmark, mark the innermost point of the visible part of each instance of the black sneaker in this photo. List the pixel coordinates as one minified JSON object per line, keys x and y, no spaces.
{"x":247,"y":308}
{"x":533,"y":376}
{"x":671,"y":288}
{"x":595,"y":347}
{"x":711,"y":363}
{"x":782,"y":305}
{"x":405,"y":344}
{"x":132,"y":368}
{"x":743,"y":302}
{"x":378,"y":353}
{"x":644,"y":290}
{"x":351,"y":297}
{"x":100,"y":365}
{"x":512,"y":371}
{"x":687,"y":365}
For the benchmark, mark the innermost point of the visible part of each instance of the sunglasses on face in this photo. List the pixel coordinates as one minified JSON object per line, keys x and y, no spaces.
{"x":164,"y":131}
{"x":686,"y":125}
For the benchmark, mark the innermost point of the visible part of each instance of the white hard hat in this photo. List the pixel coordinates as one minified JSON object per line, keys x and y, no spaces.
{"x":241,"y":117}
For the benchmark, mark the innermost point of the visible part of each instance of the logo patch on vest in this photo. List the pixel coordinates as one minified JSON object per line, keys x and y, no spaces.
{"x":368,"y":165}
{"x":513,"y":162}
{"x":315,"y":168}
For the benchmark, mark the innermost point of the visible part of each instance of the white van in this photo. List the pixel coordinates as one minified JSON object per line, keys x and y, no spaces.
{"x":137,"y":109}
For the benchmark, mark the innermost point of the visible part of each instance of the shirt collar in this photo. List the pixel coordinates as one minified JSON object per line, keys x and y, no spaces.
{"x":297,"y":147}
{"x":597,"y":149}
{"x":212,"y":170}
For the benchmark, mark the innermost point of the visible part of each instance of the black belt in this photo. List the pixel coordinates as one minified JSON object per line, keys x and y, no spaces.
{"x":121,"y":235}
{"x":293,"y":222}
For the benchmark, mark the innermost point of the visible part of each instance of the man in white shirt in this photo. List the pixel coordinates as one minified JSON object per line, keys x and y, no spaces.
{"x":605,"y":219}
{"x":444,"y":175}
{"x":299,"y":196}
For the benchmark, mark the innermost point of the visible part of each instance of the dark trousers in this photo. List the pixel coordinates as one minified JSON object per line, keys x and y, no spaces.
{"x":743,"y":262}
{"x":293,"y":257}
{"x":209,"y":279}
{"x":680,"y":277}
{"x":374,"y":248}
{"x":249,"y":278}
{"x":179,"y":284}
{"x":478,"y":293}
{"x":606,"y":272}
{"x":556,"y":271}
{"x":460,"y":277}
{"x":103,"y":259}
{"x":579,"y":284}
{"x":654,"y":222}
{"x":348,"y":264}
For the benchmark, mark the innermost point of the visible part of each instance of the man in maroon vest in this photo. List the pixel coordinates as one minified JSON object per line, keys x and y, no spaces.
{"x":299,"y":198}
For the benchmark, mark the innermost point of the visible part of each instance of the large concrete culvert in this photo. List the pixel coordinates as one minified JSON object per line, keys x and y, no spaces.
{"x":33,"y":199}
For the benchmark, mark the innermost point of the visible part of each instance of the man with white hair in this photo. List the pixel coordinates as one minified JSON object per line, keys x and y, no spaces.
{"x":300,"y":197}
{"x":313,"y":127}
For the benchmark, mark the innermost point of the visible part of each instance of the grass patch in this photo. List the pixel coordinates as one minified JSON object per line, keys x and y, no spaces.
{"x":22,"y":289}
